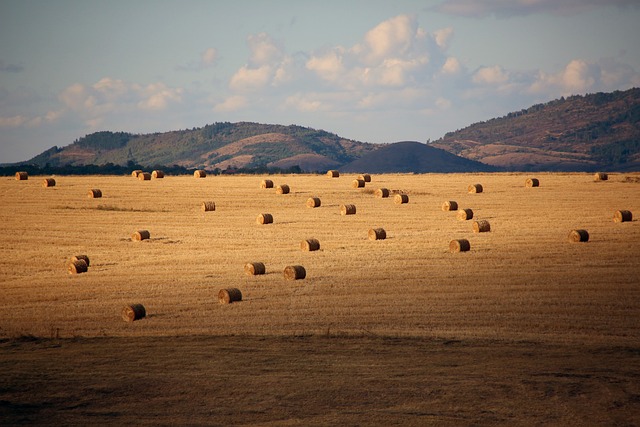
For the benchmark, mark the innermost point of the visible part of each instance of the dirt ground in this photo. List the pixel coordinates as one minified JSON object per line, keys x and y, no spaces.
{"x":313,"y":380}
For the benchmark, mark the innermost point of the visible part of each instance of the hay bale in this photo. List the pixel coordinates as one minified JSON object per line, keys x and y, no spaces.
{"x":229,"y":295}
{"x":600,"y":176}
{"x":400,"y":199}
{"x":266,"y":183}
{"x":310,"y":245}
{"x":141,"y":235}
{"x":622,"y":216}
{"x":94,"y":193}
{"x":22,"y":176}
{"x":348,"y":210}
{"x":579,"y":236}
{"x":254,"y":268}
{"x":283,"y":189}
{"x":333,"y":174}
{"x":382,"y":193}
{"x":365,"y":177}
{"x":295,"y":272}
{"x":264,"y":218}
{"x":377,"y":234}
{"x":78,"y":266}
{"x":532,"y":182}
{"x":357,"y":183}
{"x":459,"y":245}
{"x":208,"y":206}
{"x":82,"y":257}
{"x":133,"y":312}
{"x":157,"y":174}
{"x":144,"y":176}
{"x":465,"y":214}
{"x":313,"y":202}
{"x":475,"y":188}
{"x":48,"y":182}
{"x":135,"y":173}
{"x":199,"y":173}
{"x":481,"y":226}
{"x":450,"y":205}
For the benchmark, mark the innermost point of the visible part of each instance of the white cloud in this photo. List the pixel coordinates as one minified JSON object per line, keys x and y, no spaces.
{"x":232,"y":103}
{"x":250,"y":79}
{"x":209,"y":57}
{"x":495,"y":75}
{"x":264,"y":51}
{"x":443,"y":37}
{"x":14,"y":121}
{"x":451,"y":66}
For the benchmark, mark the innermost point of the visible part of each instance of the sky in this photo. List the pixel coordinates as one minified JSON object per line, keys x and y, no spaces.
{"x":376,"y":71}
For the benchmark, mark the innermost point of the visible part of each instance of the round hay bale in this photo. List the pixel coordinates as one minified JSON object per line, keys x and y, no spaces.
{"x":78,"y":266}
{"x":481,"y":226}
{"x":199,"y":173}
{"x":133,"y":312}
{"x":622,"y":216}
{"x":377,"y":234}
{"x":48,"y":182}
{"x":208,"y":206}
{"x":254,"y":268}
{"x":459,"y":245}
{"x":144,"y":176}
{"x":357,"y":183}
{"x":579,"y":236}
{"x":450,"y":205}
{"x":283,"y":189}
{"x":157,"y":174}
{"x":381,"y":193}
{"x":229,"y":295}
{"x":266,"y":183}
{"x":264,"y":218}
{"x":600,"y":176}
{"x":82,"y":257}
{"x":22,"y":176}
{"x":94,"y":193}
{"x":532,"y":182}
{"x":400,"y":199}
{"x":313,"y":202}
{"x":348,"y":210}
{"x":333,"y":174}
{"x":465,"y":214}
{"x":365,"y":177}
{"x":475,"y":188}
{"x":295,"y":272}
{"x":135,"y":173}
{"x":310,"y":245}
{"x":141,"y":235}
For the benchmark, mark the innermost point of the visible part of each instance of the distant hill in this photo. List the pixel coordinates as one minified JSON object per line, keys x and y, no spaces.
{"x":582,"y":133}
{"x":220,"y":145}
{"x":413,"y":157}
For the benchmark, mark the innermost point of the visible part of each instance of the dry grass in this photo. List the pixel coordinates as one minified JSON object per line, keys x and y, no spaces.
{"x":522,"y":288}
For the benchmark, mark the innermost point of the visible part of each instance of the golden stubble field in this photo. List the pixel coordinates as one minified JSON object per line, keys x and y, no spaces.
{"x":523,"y":295}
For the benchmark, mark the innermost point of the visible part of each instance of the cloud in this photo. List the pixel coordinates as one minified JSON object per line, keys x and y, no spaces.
{"x":232,"y":103}
{"x":508,"y":8}
{"x":209,"y":57}
{"x":10,"y":68}
{"x":12,"y":122}
{"x":495,"y":75}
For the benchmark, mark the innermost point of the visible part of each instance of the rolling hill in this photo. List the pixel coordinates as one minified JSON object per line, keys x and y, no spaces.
{"x":413,"y":157}
{"x":220,"y":145}
{"x":595,"y":131}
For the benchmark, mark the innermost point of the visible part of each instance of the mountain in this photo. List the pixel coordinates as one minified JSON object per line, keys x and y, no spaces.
{"x":578,"y":133}
{"x":219,"y":145}
{"x":415,"y":157}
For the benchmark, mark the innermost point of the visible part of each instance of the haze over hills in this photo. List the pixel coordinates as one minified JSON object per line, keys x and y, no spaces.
{"x":580,"y":133}
{"x":595,"y":131}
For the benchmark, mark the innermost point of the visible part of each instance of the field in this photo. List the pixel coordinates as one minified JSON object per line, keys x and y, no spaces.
{"x":525,"y":328}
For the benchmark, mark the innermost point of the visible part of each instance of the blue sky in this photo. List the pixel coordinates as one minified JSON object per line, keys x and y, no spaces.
{"x":374,"y":71}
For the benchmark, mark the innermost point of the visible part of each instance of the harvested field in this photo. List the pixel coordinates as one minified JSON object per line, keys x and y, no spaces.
{"x":525,"y":328}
